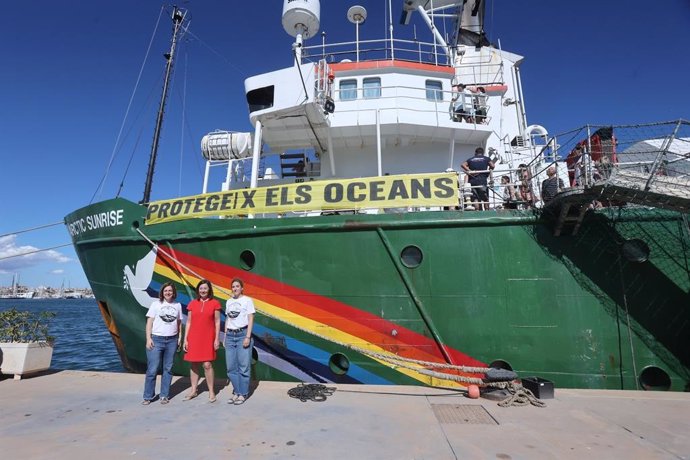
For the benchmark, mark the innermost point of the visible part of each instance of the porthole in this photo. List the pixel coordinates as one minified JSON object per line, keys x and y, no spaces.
{"x":135,"y":224}
{"x":653,"y":378}
{"x":635,"y":251}
{"x":339,"y":364}
{"x":247,"y":259}
{"x":411,"y":256}
{"x":501,"y":364}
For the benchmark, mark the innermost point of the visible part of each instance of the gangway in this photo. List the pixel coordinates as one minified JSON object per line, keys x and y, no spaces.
{"x":659,"y":191}
{"x":653,"y":169}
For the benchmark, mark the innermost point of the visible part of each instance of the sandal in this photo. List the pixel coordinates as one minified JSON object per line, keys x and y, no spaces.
{"x":190,"y":396}
{"x":165,"y":400}
{"x":146,"y":402}
{"x":212,"y":399}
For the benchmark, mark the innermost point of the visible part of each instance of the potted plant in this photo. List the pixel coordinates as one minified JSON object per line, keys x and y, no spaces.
{"x":25,"y":345}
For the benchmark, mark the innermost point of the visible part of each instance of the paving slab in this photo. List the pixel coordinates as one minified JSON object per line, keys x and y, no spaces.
{"x":63,"y":414}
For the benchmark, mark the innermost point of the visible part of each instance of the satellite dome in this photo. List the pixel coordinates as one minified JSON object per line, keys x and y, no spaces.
{"x":301,"y":17}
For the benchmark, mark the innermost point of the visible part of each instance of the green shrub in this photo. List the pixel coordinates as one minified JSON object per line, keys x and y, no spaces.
{"x":25,"y":326}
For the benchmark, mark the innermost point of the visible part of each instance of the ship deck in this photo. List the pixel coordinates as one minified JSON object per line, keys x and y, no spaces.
{"x":63,"y":414}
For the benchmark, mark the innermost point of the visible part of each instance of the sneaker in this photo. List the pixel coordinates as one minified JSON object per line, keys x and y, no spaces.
{"x":233,"y":398}
{"x":240,"y":400}
{"x":165,"y":400}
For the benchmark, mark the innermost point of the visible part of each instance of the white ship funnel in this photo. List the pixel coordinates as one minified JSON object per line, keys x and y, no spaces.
{"x":301,"y":17}
{"x":224,"y":145}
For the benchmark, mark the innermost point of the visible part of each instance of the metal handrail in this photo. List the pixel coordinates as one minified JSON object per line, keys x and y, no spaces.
{"x":371,"y":50}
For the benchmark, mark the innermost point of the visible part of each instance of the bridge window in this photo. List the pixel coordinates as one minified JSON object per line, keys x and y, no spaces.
{"x":434,"y":90}
{"x":260,"y":98}
{"x":348,"y":90}
{"x":372,"y":87}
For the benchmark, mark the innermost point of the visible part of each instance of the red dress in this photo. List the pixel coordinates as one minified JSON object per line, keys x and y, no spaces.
{"x":203,"y":331}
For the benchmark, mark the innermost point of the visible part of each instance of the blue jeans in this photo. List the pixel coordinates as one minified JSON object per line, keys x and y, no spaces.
{"x":164,"y":349}
{"x":238,"y":361}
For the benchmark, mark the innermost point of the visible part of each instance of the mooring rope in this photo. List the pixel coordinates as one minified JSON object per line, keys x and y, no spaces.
{"x":520,"y":396}
{"x":36,"y":251}
{"x":395,"y":361}
{"x":31,"y":229}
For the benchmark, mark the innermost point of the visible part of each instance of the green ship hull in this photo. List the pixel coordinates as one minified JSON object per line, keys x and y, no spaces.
{"x":607,"y":308}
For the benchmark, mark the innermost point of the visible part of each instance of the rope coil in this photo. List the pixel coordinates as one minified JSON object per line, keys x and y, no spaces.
{"x":520,"y":396}
{"x":311,"y":392}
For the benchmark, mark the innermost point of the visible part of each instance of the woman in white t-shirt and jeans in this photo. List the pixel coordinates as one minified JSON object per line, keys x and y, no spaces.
{"x":239,"y":321}
{"x":162,"y":339}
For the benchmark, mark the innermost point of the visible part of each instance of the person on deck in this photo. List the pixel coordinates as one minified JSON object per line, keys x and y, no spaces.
{"x":510,"y":197}
{"x":299,"y":169}
{"x":480,"y":106}
{"x":163,"y":320}
{"x":202,"y":338}
{"x":525,"y":187}
{"x":478,"y":169}
{"x":551,"y":185}
{"x":461,"y":108}
{"x":239,"y":322}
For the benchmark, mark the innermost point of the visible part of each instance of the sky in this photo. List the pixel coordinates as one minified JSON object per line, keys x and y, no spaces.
{"x":68,"y":71}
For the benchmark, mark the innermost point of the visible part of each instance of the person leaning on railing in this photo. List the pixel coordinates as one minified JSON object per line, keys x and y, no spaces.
{"x":480,"y":107}
{"x":525,"y":187}
{"x":510,"y":198}
{"x":478,"y":169}
{"x":551,"y":185}
{"x":461,"y":110}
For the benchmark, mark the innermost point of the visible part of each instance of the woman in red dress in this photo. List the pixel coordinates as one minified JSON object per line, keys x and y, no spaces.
{"x":201,"y":337}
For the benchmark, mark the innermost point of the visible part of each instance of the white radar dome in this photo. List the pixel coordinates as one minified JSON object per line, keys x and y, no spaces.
{"x":224,"y":145}
{"x":301,"y":17}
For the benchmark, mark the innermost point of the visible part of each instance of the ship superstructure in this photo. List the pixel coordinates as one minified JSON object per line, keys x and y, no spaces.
{"x":381,"y":107}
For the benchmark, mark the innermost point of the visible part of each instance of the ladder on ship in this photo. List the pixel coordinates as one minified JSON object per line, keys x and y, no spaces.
{"x":568,"y":209}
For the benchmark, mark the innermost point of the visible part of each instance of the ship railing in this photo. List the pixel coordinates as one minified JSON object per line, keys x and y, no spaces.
{"x":381,"y":49}
{"x":479,"y":72}
{"x":649,"y":170}
{"x":377,"y":50}
{"x":660,"y":149}
{"x":646,"y":164}
{"x":508,"y":193}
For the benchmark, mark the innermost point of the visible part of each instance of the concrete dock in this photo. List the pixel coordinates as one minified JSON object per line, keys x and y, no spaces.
{"x":68,"y":414}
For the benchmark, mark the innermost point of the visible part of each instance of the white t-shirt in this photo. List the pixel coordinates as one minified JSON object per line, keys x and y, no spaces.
{"x":165,"y":316}
{"x":237,"y":311}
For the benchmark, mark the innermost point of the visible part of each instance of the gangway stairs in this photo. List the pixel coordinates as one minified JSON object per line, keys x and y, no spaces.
{"x":569,"y":208}
{"x":631,"y":186}
{"x":624,"y":185}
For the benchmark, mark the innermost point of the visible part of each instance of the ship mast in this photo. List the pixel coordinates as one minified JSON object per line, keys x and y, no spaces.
{"x":178,"y":18}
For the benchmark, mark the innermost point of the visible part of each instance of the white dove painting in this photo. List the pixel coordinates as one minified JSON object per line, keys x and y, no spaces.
{"x":139,"y":280}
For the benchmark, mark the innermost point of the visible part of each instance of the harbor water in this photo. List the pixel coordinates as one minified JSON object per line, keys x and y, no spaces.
{"x":82,"y":341}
